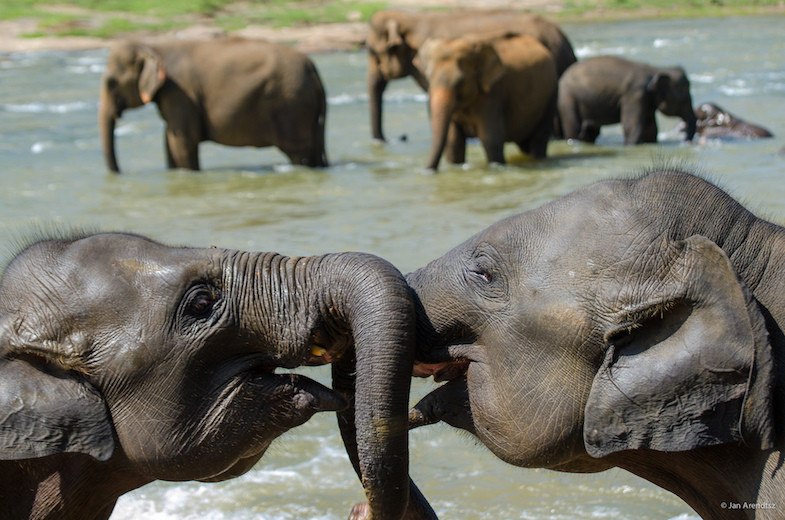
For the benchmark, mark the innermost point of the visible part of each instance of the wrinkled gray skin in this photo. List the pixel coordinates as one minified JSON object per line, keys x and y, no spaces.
{"x":606,"y":90}
{"x":123,"y":361}
{"x":394,"y":37}
{"x":499,"y":89}
{"x":632,"y":323}
{"x":714,"y":122}
{"x":232,"y":91}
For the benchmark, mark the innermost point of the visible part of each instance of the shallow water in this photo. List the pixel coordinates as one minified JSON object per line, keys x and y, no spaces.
{"x":377,"y":199}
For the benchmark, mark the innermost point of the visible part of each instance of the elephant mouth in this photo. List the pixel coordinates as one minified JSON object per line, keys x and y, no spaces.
{"x":448,"y":363}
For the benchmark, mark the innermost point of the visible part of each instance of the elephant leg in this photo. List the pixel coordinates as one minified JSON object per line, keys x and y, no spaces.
{"x":589,"y":132}
{"x":182,"y":149}
{"x":537,"y":143}
{"x":491,"y":134}
{"x":455,"y":150}
{"x":569,"y":116}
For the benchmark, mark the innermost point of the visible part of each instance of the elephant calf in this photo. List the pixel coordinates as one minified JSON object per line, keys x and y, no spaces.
{"x":633,"y":323}
{"x":233,"y":91}
{"x":498,"y":88}
{"x":606,"y":90}
{"x":123,"y":361}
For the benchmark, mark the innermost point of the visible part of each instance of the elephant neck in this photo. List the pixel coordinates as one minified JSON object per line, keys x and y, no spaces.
{"x":721,"y":482}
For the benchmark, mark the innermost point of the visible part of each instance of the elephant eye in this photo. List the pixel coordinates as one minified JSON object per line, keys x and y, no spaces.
{"x":201,"y":300}
{"x":485,"y":276}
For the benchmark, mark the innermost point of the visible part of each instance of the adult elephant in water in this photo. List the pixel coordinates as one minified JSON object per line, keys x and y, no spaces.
{"x":633,"y":323}
{"x":499,"y":89}
{"x":123,"y":361}
{"x":394,"y":37}
{"x":233,"y":91}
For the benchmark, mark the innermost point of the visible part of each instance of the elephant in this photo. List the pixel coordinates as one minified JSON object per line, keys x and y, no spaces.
{"x":124,"y":361}
{"x":395,"y":37}
{"x":633,"y":323}
{"x":714,"y":122}
{"x":498,"y":89}
{"x":606,"y":90}
{"x":232,"y":91}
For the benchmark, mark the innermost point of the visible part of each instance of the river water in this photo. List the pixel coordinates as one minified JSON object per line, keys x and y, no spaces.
{"x":375,"y":198}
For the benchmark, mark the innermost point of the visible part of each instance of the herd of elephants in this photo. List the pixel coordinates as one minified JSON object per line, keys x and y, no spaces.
{"x":635,"y":323}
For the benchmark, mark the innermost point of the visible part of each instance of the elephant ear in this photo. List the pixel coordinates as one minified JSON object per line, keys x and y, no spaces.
{"x":152,"y":76}
{"x":690,"y":366}
{"x":491,"y":68}
{"x":658,"y":86}
{"x":45,"y":413}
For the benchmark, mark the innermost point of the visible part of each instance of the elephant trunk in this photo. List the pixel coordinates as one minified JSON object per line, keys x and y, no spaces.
{"x":691,"y":122}
{"x":107,"y":115}
{"x":322,"y":306}
{"x":442,"y":105}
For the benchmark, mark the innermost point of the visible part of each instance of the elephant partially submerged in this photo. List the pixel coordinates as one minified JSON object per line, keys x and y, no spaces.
{"x":633,"y":323}
{"x":232,"y":91}
{"x":123,"y":361}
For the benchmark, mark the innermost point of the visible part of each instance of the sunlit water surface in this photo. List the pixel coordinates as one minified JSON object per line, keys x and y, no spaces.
{"x":378,"y":199}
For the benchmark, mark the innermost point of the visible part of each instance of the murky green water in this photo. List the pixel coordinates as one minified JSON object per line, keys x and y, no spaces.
{"x":377,"y":199}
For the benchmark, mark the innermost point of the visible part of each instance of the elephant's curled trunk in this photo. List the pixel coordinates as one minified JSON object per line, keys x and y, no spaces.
{"x":363,"y":297}
{"x":107,"y":115}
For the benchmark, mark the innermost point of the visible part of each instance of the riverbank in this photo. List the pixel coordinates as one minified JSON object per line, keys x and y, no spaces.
{"x":33,"y":33}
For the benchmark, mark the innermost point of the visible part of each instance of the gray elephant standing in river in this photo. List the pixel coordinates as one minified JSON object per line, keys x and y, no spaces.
{"x":395,"y":37}
{"x":233,"y":91}
{"x":633,"y":323}
{"x":606,"y":90}
{"x":497,"y":88}
{"x":123,"y":361}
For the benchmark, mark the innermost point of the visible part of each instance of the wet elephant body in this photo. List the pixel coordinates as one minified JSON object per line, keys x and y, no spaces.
{"x":395,"y":37}
{"x":232,"y":91}
{"x":124,"y":361}
{"x":633,"y":323}
{"x":606,"y":90}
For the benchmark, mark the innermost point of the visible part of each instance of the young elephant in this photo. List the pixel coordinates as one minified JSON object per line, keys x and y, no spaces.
{"x":123,"y":361}
{"x":622,"y":325}
{"x":606,"y":90}
{"x":232,"y":91}
{"x":395,"y":37}
{"x":499,"y":89}
{"x":714,"y":122}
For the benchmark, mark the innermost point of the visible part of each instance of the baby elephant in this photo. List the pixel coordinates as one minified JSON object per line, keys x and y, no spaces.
{"x":123,"y":361}
{"x":232,"y":91}
{"x":606,"y":90}
{"x":499,"y":89}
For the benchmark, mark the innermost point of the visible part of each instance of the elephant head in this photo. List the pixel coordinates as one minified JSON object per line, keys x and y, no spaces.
{"x":670,"y":88}
{"x":459,"y":71}
{"x":603,"y":324}
{"x":388,"y":45}
{"x":159,"y":362}
{"x":134,"y":74}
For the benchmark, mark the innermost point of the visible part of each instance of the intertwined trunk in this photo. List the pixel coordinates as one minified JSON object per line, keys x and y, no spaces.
{"x":358,"y":309}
